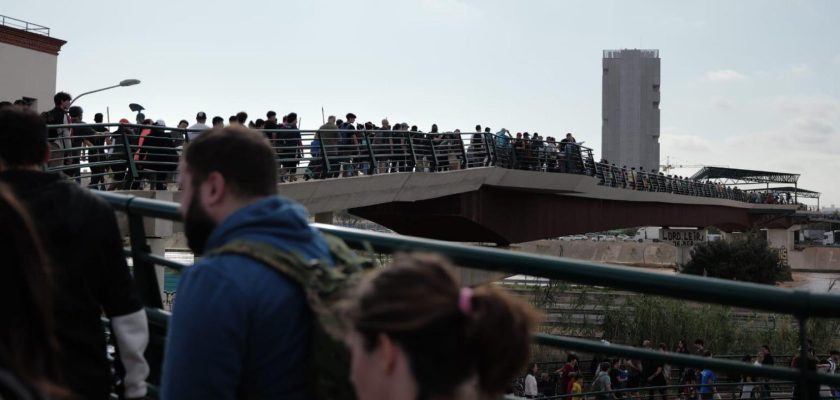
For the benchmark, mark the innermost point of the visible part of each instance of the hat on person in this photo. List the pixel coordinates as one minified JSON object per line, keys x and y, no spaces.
{"x":201,"y":115}
{"x":124,"y":121}
{"x":160,"y":122}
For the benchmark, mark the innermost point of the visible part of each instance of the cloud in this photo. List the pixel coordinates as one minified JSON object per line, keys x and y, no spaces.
{"x":725,"y":75}
{"x":722,"y":103}
{"x":680,"y":143}
{"x":800,"y":70}
{"x":456,"y":10}
{"x":836,"y":60}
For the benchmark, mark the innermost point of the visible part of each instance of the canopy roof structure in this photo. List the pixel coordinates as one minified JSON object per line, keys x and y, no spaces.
{"x":810,"y":194}
{"x":744,"y":176}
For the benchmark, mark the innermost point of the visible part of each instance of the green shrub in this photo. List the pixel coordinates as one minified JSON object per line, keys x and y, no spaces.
{"x":747,"y":258}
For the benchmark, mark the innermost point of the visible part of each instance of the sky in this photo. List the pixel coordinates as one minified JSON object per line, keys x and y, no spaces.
{"x":745,"y":84}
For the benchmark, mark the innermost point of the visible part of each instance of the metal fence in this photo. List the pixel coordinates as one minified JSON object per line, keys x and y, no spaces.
{"x":801,"y":304}
{"x":141,"y":157}
{"x":23,"y":25}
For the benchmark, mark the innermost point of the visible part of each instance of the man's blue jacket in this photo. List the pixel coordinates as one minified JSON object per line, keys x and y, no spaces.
{"x":240,"y":329}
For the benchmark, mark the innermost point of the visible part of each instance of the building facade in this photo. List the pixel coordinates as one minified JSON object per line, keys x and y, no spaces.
{"x":630,"y":114}
{"x":28,"y":63}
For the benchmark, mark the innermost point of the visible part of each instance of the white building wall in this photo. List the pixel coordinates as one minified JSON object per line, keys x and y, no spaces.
{"x":630,"y":109}
{"x":27,"y":73}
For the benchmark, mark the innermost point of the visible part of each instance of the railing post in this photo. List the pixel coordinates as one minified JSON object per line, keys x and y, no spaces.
{"x":411,"y":148}
{"x":492,"y":157}
{"x":373,"y":165}
{"x":144,"y":271}
{"x":460,"y":142}
{"x":324,"y":159}
{"x":802,"y":365}
{"x":434,"y":153}
{"x":129,"y":158}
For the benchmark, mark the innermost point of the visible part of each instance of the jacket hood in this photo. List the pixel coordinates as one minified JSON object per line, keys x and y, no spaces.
{"x":275,"y":220}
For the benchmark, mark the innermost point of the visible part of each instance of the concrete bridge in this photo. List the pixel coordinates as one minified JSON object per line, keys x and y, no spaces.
{"x":500,"y":205}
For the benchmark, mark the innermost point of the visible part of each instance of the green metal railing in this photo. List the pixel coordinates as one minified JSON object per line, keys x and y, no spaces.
{"x":801,"y":304}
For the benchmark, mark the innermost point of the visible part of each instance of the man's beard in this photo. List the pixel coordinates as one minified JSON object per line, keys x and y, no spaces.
{"x":198,"y":226}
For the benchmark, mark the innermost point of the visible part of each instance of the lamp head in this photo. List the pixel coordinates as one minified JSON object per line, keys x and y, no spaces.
{"x":129,"y":82}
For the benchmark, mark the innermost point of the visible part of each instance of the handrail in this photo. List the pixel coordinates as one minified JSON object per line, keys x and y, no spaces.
{"x":666,"y":387}
{"x":799,"y":303}
{"x":371,"y":152}
{"x":24,"y":25}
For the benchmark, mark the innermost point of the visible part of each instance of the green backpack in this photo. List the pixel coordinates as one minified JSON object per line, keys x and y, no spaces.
{"x":328,"y":376}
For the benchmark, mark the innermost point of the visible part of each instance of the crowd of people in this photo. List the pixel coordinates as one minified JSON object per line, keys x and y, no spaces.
{"x":341,"y":148}
{"x":610,"y":175}
{"x":243,"y":326}
{"x":622,"y":378}
{"x":239,"y":328}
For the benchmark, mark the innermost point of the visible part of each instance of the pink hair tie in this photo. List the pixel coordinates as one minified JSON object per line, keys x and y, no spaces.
{"x":465,"y":301}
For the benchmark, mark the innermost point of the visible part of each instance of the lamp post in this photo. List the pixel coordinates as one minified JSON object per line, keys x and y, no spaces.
{"x":124,"y":82}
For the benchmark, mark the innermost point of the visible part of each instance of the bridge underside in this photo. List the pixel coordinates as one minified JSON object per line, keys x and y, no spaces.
{"x":503,"y":216}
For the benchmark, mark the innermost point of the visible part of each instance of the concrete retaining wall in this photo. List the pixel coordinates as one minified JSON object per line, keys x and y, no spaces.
{"x":815,"y":259}
{"x":628,"y":253}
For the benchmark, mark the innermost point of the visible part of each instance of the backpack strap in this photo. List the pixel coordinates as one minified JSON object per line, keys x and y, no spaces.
{"x":318,"y":280}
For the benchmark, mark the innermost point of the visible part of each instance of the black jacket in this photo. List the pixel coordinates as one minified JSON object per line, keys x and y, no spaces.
{"x":89,"y":270}
{"x":158,"y":147}
{"x":53,"y":117}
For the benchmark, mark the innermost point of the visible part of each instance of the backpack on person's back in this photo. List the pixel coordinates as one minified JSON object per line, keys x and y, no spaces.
{"x":328,"y":376}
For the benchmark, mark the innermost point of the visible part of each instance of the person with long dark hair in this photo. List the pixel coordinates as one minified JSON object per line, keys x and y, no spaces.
{"x":27,"y":344}
{"x":81,"y":237}
{"x":416,"y":334}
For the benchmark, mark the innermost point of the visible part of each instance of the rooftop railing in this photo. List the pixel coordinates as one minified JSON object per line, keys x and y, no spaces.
{"x":141,"y":156}
{"x":801,"y":304}
{"x":23,"y":25}
{"x":618,"y":53}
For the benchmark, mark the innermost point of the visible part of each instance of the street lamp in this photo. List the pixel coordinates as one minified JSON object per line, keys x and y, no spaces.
{"x":124,"y":82}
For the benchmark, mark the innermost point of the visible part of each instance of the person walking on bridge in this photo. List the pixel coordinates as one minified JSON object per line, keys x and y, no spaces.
{"x":239,"y":328}
{"x":330,"y":138}
{"x":198,"y":127}
{"x":80,"y":234}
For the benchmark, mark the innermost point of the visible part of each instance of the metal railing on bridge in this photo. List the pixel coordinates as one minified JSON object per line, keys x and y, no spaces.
{"x":138,"y":154}
{"x":146,"y":157}
{"x":801,"y":304}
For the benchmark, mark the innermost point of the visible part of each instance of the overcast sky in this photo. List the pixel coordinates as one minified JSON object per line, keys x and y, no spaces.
{"x":745,"y":84}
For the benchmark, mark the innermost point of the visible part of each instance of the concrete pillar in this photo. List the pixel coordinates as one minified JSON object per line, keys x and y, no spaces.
{"x":159,"y":232}
{"x":683,"y":255}
{"x":324,"y":218}
{"x":476,"y":277}
{"x":158,"y":248}
{"x":782,"y":238}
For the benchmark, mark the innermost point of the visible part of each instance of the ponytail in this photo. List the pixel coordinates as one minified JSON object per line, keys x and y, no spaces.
{"x":499,"y":336}
{"x":449,"y":334}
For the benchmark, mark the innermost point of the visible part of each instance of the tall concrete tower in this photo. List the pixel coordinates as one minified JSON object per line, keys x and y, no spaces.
{"x":630,"y":125}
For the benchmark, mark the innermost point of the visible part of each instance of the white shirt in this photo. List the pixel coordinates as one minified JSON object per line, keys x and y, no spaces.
{"x":198,"y":125}
{"x":531,"y":385}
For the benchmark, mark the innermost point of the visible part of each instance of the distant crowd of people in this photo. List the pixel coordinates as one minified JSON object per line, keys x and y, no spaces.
{"x":342,"y":148}
{"x":610,"y":175}
{"x":633,"y":379}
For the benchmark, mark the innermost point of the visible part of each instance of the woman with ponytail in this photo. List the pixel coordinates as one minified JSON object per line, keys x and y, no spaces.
{"x":416,"y":334}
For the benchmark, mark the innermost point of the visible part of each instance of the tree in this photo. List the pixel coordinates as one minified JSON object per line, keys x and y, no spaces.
{"x":747,"y":258}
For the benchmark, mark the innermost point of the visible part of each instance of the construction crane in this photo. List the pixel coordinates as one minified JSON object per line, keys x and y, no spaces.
{"x":667,"y":167}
